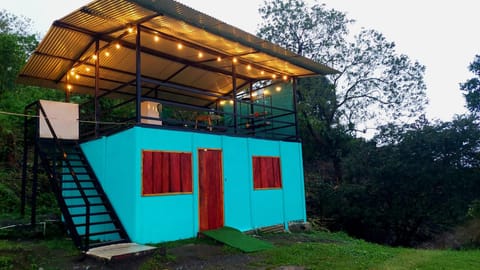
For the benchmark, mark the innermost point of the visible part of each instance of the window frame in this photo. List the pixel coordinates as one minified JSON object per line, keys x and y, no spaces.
{"x":272,"y":184}
{"x":183,"y":182}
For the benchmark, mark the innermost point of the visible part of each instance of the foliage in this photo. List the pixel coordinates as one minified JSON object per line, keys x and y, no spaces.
{"x":16,"y":44}
{"x":374,"y":82}
{"x":416,"y":183}
{"x":472,"y":87}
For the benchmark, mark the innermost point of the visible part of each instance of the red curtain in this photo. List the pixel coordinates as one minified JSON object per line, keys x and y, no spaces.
{"x":266,"y":172}
{"x":166,"y":172}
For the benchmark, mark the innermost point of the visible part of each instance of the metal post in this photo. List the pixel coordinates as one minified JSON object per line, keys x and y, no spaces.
{"x":138,"y":53}
{"x":295,"y":104}
{"x":97,"y":85}
{"x":252,"y":110}
{"x":33,"y":217}
{"x":24,"y":168}
{"x":234,"y":93}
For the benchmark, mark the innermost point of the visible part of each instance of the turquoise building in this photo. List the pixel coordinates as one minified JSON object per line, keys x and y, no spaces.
{"x":191,"y":124}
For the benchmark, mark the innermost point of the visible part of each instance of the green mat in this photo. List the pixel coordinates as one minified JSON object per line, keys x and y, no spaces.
{"x":237,"y":239}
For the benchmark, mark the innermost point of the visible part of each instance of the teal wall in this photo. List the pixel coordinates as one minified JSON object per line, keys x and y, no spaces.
{"x":117,"y":162}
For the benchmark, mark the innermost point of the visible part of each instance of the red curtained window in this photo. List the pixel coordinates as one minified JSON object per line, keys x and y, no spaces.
{"x":266,"y":172}
{"x":166,"y":172}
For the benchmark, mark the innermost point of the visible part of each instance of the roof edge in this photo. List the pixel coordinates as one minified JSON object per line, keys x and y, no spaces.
{"x":167,"y":7}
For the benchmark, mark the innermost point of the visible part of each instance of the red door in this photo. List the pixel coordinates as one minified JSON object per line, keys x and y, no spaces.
{"x":211,"y":189}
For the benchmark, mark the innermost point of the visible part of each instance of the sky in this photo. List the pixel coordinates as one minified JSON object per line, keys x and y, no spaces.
{"x":442,"y":35}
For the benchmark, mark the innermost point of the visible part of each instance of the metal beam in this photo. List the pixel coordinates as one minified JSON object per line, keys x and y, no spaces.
{"x":138,"y":78}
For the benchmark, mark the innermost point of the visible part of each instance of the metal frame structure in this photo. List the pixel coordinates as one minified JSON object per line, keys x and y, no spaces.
{"x":163,"y":51}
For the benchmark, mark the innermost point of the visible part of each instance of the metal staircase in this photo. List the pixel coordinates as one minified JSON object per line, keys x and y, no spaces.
{"x":87,"y":212}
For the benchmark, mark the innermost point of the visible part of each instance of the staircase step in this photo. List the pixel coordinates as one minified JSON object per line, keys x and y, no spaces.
{"x":79,"y":181}
{"x":95,"y":223}
{"x":102,"y":233}
{"x":76,"y":188}
{"x":92,"y":214}
{"x":80,"y":197}
{"x":83,"y":205}
{"x":76,"y":173}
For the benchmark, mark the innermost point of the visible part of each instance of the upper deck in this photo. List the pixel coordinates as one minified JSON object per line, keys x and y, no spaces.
{"x":163,"y":64}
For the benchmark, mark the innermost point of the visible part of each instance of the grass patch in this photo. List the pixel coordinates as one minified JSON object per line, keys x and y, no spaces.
{"x":338,"y":251}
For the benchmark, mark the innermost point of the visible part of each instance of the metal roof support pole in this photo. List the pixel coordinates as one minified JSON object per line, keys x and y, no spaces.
{"x":251,"y":121}
{"x":97,"y":85}
{"x":33,"y":215}
{"x":295,"y":108}
{"x":138,"y":80}
{"x":234,"y":93}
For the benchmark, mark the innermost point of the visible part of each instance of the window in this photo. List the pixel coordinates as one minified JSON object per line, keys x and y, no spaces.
{"x":166,"y":172}
{"x":266,"y":173}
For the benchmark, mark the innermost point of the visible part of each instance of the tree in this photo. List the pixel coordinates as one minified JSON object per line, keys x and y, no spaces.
{"x":472,"y":87}
{"x":410,"y":182}
{"x":16,"y":44}
{"x":374,"y":81}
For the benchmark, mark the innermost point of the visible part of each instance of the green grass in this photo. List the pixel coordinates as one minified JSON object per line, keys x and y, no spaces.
{"x":313,"y":251}
{"x":332,"y":251}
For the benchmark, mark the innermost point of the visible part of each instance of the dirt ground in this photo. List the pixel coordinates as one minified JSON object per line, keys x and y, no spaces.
{"x":197,"y":255}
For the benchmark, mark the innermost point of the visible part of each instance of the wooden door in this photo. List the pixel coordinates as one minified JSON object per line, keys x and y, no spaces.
{"x":210,"y":189}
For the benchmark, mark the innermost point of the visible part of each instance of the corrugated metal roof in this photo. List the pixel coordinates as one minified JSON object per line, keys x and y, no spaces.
{"x":209,"y":46}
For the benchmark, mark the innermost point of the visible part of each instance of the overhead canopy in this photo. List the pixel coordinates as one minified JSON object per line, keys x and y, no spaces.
{"x":179,"y":48}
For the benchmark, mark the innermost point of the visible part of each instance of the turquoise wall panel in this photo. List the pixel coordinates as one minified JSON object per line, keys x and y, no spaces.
{"x":238,"y":185}
{"x":165,"y":218}
{"x":113,"y":161}
{"x":293,"y":183}
{"x":259,"y":147}
{"x":267,"y":207}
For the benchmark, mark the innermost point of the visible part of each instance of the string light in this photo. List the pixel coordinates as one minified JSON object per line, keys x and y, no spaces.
{"x":254,"y":94}
{"x":249,"y":67}
{"x":77,"y":76}
{"x":179,"y":46}
{"x":274,"y":76}
{"x":72,"y":72}
{"x":266,"y":92}
{"x":285,"y":77}
{"x":118,"y":46}
{"x":107,"y":54}
{"x":231,"y":102}
{"x":222,"y":102}
{"x":69,"y":87}
{"x":278,"y":89}
{"x":94,"y":57}
{"x":219,"y":59}
{"x":156,"y":38}
{"x":235,"y":60}
{"x":200,"y":55}
{"x":262,"y":72}
{"x":87,"y":69}
{"x":130,"y":30}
